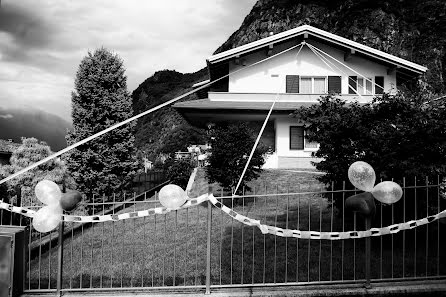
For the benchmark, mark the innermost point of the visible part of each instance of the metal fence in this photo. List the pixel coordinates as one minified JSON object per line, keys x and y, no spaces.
{"x":202,"y":247}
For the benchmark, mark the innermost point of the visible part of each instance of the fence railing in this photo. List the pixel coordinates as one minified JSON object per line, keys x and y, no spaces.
{"x":202,"y":247}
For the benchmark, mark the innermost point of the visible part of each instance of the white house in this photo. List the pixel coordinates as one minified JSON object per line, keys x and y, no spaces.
{"x":293,"y":68}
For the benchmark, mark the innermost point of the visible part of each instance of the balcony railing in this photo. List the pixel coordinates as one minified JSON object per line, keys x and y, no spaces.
{"x":283,"y":97}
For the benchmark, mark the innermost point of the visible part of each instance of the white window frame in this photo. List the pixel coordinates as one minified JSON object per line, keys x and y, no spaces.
{"x":364,"y":87}
{"x":312,"y":83}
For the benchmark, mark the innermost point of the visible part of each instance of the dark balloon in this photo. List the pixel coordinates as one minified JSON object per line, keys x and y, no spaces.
{"x":70,"y":200}
{"x":363,"y":204}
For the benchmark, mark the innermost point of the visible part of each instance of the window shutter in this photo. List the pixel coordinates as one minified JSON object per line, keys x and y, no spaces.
{"x":334,"y":84}
{"x":379,"y":87}
{"x":352,"y":84}
{"x":292,"y":83}
{"x":296,"y":138}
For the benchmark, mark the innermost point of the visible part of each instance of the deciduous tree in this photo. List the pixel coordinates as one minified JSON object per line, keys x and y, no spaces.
{"x":401,"y":136}
{"x":231,"y":145}
{"x":29,"y":152}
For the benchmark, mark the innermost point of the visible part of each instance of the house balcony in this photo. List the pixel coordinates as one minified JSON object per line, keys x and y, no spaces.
{"x":282,"y":97}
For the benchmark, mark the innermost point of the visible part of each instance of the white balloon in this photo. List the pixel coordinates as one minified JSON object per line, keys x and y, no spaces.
{"x":47,"y":218}
{"x":48,"y":192}
{"x":362,"y":176}
{"x":387,"y":192}
{"x":172,"y":196}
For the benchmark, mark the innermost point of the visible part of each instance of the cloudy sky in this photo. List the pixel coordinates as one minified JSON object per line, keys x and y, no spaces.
{"x":42,"y":42}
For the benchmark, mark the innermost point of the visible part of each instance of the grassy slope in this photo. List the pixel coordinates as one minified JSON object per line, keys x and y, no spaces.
{"x":139,"y":252}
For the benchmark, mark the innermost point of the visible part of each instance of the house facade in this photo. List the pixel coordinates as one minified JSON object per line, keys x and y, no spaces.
{"x":292,"y":69}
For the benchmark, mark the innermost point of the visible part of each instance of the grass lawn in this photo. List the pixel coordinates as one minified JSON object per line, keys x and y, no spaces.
{"x":170,"y":249}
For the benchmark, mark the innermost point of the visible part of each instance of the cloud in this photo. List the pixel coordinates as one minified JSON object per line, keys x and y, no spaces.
{"x":43,"y":42}
{"x":28,"y":28}
{"x":6,"y":116}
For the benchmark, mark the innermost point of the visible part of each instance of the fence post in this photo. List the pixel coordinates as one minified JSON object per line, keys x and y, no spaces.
{"x":60,"y":253}
{"x":368,"y":258}
{"x":208,"y":246}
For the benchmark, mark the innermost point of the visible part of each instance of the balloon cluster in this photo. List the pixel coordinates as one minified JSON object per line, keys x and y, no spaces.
{"x":48,"y":217}
{"x":172,"y":196}
{"x":363,"y":177}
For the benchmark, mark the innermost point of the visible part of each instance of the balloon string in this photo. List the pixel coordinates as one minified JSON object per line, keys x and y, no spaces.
{"x":328,"y":55}
{"x":325,"y":60}
{"x":261,"y":131}
{"x":75,"y":145}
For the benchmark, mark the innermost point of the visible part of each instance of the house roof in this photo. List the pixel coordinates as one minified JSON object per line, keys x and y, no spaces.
{"x":7,"y":146}
{"x":206,"y":104}
{"x":320,"y":34}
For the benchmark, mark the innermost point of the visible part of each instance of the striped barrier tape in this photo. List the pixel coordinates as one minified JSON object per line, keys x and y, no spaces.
{"x":265,"y":229}
{"x":110,"y":217}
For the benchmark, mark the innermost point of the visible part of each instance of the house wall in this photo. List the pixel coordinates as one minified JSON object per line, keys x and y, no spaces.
{"x":269,"y":76}
{"x":283,"y":125}
{"x":286,"y":157}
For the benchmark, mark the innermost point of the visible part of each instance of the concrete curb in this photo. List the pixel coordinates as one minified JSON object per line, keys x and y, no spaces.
{"x":426,"y":288}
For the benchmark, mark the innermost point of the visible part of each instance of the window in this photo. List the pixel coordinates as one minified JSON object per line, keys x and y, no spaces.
{"x":379,"y":84}
{"x":352,"y":84}
{"x":319,"y":85}
{"x":369,"y":86}
{"x":306,"y":85}
{"x":292,"y":83}
{"x":296,"y":138}
{"x":360,"y":85}
{"x":313,"y":85}
{"x":334,"y":84}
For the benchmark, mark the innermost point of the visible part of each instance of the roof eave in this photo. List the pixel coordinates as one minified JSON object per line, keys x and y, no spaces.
{"x":366,"y":50}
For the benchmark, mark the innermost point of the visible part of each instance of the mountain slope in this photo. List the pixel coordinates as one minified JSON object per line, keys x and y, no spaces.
{"x":16,"y":123}
{"x":152,"y":130}
{"x":409,"y":29}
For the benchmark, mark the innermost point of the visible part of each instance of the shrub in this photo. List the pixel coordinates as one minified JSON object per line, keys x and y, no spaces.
{"x":29,"y":152}
{"x":400,"y":135}
{"x":231,"y":145}
{"x":178,"y":171}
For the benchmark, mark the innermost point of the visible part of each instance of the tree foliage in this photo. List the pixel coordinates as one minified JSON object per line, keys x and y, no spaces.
{"x":100,"y":100}
{"x":400,"y":135}
{"x":29,"y":152}
{"x":181,"y":137}
{"x":231,"y":145}
{"x":178,"y":171}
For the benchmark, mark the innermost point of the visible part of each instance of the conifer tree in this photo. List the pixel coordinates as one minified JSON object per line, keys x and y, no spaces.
{"x":105,"y":164}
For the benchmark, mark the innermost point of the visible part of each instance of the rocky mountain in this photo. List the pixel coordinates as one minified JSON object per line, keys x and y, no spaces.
{"x":410,"y":29}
